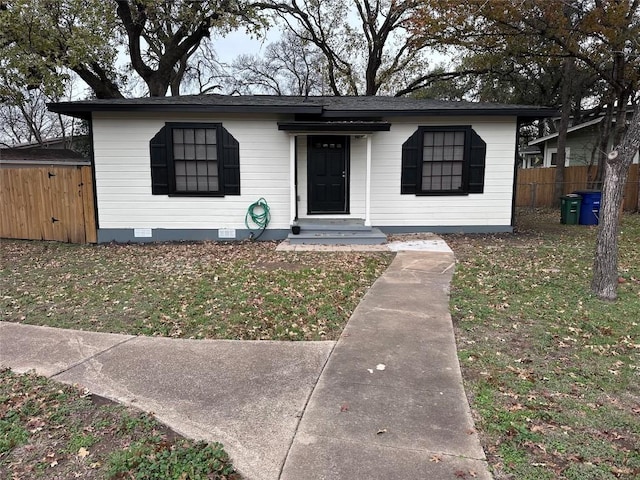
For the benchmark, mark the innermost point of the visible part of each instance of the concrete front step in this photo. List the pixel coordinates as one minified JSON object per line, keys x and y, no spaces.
{"x":332,"y":224}
{"x":350,"y":236}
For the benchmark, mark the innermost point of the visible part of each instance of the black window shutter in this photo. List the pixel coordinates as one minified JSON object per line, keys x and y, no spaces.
{"x":477,"y":158}
{"x":159,"y":163}
{"x":230,"y":163}
{"x":411,"y":158}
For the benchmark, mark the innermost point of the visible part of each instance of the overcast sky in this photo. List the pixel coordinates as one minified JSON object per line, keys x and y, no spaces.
{"x":239,"y":43}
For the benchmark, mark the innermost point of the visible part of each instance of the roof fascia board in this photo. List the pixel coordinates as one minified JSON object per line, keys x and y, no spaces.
{"x":521,"y":113}
{"x":75,"y":109}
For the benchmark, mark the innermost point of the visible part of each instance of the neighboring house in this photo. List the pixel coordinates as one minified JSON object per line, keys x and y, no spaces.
{"x":530,"y":157}
{"x":187,"y":168}
{"x":581,"y":147}
{"x":72,"y":142}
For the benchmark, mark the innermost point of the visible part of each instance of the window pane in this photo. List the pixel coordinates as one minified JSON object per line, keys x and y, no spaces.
{"x":178,"y":151}
{"x":428,"y":139}
{"x":202,"y":168}
{"x":213,"y":168}
{"x":189,"y":152}
{"x":212,"y":152}
{"x":437,"y":169}
{"x":203,"y":185}
{"x":435,"y":183}
{"x":189,"y":135}
{"x":449,"y":137}
{"x":192,"y":184}
{"x":191,"y":168}
{"x":200,"y":136}
{"x":448,"y":153}
{"x":459,"y":138}
{"x":438,"y":138}
{"x":456,"y":183}
{"x":446,"y":183}
{"x":426,"y":183}
{"x":213,"y":183}
{"x":426,"y":169}
{"x":181,"y":169}
{"x":457,"y":169}
{"x":177,"y":136}
{"x":181,"y":183}
{"x":446,"y":168}
{"x":427,"y":154}
{"x":458,"y":153}
{"x":211,"y":136}
{"x":201,"y":152}
{"x":438,"y":153}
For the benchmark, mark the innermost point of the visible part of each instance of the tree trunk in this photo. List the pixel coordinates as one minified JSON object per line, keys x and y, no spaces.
{"x":558,"y":188}
{"x":605,"y":267}
{"x":605,"y":133}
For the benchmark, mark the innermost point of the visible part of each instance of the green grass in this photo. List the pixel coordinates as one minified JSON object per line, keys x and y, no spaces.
{"x":552,"y":373}
{"x":50,"y":430}
{"x":189,"y":290}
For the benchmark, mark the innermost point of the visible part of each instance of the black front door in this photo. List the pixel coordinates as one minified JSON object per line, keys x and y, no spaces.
{"x":328,"y":174}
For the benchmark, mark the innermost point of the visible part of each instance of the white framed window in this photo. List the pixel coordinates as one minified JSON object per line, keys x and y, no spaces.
{"x":552,"y":154}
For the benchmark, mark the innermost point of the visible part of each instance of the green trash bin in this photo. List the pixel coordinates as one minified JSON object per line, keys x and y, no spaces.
{"x":570,"y":209}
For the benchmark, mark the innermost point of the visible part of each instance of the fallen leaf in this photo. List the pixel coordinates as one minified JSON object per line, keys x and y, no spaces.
{"x":435,"y":458}
{"x":54,"y":463}
{"x":83,"y":452}
{"x":344,"y":407}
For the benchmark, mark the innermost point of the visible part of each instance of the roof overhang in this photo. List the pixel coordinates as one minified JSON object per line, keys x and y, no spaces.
{"x":441,"y":112}
{"x":321,"y":108}
{"x":347,"y":127}
{"x":84,"y":110}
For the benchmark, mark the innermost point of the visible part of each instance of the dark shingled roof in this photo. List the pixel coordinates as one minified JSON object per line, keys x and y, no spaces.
{"x":323,"y":107}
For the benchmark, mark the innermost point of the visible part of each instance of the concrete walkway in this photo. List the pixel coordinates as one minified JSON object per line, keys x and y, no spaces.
{"x":384,"y":402}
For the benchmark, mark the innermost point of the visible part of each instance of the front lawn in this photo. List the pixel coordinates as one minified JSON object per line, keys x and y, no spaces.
{"x":188,"y":290}
{"x":552,"y":373}
{"x":54,"y":431}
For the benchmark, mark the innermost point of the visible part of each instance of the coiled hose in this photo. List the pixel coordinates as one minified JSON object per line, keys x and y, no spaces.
{"x":259,"y":214}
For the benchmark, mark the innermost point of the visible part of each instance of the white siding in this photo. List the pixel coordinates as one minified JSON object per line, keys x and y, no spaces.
{"x":123,"y":175}
{"x":493,"y":207}
{"x":123,"y":178}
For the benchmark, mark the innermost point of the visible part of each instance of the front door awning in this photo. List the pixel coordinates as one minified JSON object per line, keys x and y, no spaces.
{"x":342,"y":127}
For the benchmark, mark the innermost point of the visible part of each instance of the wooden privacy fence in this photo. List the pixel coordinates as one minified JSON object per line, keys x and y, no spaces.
{"x":534,"y":186}
{"x":47,"y":203}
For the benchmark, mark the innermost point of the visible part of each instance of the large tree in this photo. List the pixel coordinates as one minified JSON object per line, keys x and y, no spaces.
{"x":290,"y":66}
{"x":41,"y":38}
{"x":366,"y":44}
{"x":605,"y":266}
{"x":601,"y":36}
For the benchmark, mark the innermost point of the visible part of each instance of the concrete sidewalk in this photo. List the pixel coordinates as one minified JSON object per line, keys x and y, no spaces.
{"x":384,"y":402}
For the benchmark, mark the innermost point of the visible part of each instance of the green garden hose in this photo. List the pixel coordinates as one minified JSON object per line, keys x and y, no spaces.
{"x":259,"y":214}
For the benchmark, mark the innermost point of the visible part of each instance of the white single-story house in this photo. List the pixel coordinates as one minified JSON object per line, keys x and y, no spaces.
{"x":582,"y":147}
{"x":189,"y":167}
